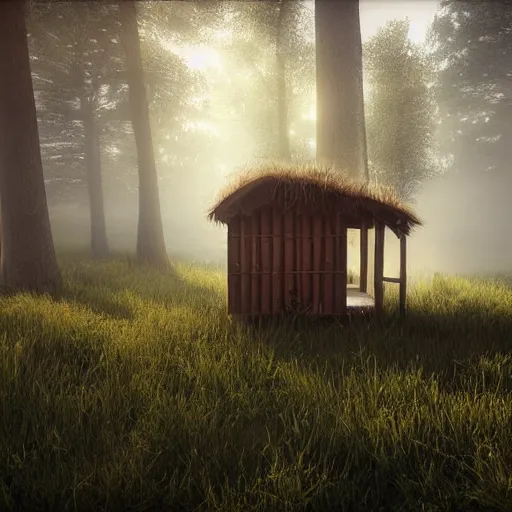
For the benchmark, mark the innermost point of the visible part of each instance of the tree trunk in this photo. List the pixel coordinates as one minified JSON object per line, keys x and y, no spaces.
{"x":366,"y":170}
{"x":150,"y":237}
{"x":99,"y":243}
{"x":282,"y":101}
{"x":28,"y":260}
{"x":339,"y":80}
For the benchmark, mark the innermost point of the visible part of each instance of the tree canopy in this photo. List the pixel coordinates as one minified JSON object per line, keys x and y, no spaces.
{"x":472,"y":49}
{"x":401,"y":112}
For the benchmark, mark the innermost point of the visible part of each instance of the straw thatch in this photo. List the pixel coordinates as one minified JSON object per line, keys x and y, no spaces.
{"x":313,"y":189}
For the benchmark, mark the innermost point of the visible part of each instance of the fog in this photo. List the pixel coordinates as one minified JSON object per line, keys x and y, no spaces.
{"x":464,"y":231}
{"x":465,"y":211}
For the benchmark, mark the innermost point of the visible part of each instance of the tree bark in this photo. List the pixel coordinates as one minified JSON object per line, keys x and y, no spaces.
{"x":99,"y":242}
{"x":282,"y":100}
{"x":28,"y":260}
{"x":150,"y":237}
{"x":341,"y":137}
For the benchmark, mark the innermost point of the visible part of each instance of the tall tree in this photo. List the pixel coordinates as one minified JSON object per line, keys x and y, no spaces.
{"x":28,"y":260}
{"x":339,"y":81}
{"x":282,"y":96}
{"x":401,"y":113}
{"x":150,"y":237}
{"x":72,"y":55}
{"x":270,"y":42}
{"x":472,"y":49}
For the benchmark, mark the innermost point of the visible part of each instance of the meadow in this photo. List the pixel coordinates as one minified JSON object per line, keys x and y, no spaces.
{"x":135,"y":391}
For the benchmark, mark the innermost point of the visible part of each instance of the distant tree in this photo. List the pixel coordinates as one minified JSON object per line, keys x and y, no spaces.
{"x":150,"y":237}
{"x":472,"y":50}
{"x":401,"y":113}
{"x":74,"y":51}
{"x":270,"y":44}
{"x":282,"y":92}
{"x":340,"y":110}
{"x":28,"y":260}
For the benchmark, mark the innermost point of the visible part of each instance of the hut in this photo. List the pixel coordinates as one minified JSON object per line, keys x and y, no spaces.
{"x":287,"y":241}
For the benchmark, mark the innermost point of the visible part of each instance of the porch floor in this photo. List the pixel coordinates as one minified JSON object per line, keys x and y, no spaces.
{"x":357,"y":299}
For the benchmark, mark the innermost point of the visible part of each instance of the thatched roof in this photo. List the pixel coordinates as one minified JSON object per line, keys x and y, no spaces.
{"x":313,"y":189}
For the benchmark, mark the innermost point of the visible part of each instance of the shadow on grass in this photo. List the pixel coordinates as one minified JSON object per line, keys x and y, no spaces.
{"x":112,"y":287}
{"x":101,"y":301}
{"x":451,"y":345}
{"x":470,"y":336}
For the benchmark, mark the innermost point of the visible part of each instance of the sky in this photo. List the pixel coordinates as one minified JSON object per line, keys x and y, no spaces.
{"x":376,"y":13}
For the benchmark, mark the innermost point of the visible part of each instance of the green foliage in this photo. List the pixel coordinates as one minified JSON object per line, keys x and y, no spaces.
{"x":76,"y":52}
{"x":138,"y":392}
{"x":77,"y":57}
{"x":400,"y":111}
{"x":472,"y":47}
{"x":251,"y":53}
{"x":74,"y":55}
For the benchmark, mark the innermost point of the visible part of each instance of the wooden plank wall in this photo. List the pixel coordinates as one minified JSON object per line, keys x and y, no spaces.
{"x":286,"y":261}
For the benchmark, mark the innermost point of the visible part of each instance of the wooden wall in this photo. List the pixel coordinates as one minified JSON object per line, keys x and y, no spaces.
{"x":286,"y":262}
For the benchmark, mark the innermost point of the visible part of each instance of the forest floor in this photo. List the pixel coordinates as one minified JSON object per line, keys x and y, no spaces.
{"x":135,"y":391}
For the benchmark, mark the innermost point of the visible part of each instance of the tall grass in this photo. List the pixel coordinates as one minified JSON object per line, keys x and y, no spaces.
{"x":135,"y":391}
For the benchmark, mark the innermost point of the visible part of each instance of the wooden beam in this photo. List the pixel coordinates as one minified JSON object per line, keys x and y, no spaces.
{"x":317,"y":262}
{"x":255,"y":264}
{"x":391,"y":280}
{"x":277,"y":262}
{"x":289,"y":257}
{"x":363,"y":260}
{"x":266,"y":261}
{"x":234,"y":265}
{"x":403,"y":273}
{"x":340,"y":265}
{"x":245,"y":269}
{"x":379,"y":267}
{"x":329,"y":256}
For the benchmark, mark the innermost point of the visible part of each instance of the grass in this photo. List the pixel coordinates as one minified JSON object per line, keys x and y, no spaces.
{"x":136,"y":392}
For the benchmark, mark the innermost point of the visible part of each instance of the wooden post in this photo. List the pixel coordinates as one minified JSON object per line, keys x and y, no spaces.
{"x":255,"y":264}
{"x":289,"y":257}
{"x":277,"y":262}
{"x":245,"y":269}
{"x":266,"y":261}
{"x":317,"y":262}
{"x":379,"y":267}
{"x":234,"y":267}
{"x":307,"y":260}
{"x":363,"y":260}
{"x":329,"y":266}
{"x":403,"y":273}
{"x":340,"y":280}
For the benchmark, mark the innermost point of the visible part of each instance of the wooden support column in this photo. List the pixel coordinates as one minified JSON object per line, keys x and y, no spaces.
{"x":234,"y":267}
{"x":379,"y":267}
{"x":245,"y":268}
{"x":403,"y":273}
{"x":340,"y":266}
{"x":363,"y":260}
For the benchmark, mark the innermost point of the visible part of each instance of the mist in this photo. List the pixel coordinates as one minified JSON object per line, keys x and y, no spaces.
{"x":227,"y":121}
